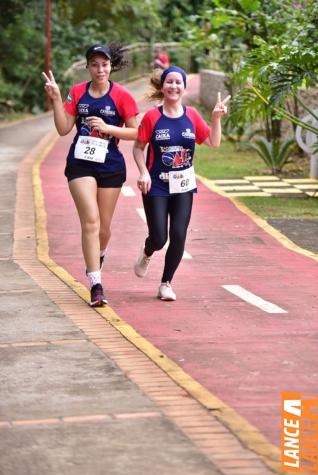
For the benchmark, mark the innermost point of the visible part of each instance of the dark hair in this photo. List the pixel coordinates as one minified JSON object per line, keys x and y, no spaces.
{"x":117,"y":52}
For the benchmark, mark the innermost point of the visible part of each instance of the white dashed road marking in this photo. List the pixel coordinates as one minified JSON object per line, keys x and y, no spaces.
{"x":128,"y":191}
{"x":253,"y":299}
{"x":141,"y":213}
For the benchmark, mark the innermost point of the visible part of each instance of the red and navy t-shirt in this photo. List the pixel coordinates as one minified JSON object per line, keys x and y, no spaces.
{"x":171,"y":144}
{"x":114,"y":108}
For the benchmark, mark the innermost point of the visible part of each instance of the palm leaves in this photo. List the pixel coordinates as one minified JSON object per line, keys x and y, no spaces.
{"x":285,"y":114}
{"x":275,"y":154}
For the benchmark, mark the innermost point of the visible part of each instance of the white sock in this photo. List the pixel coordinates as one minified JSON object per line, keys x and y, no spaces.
{"x":94,"y":278}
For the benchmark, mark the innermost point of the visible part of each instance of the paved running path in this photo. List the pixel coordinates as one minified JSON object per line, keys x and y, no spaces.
{"x":239,"y":352}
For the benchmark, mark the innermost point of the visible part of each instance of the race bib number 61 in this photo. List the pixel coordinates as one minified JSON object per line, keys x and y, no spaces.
{"x":93,"y":149}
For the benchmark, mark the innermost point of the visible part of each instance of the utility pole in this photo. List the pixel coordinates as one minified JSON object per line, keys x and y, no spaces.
{"x":48,"y":46}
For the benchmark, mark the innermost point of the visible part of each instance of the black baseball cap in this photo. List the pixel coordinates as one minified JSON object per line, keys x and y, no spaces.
{"x":103,"y":49}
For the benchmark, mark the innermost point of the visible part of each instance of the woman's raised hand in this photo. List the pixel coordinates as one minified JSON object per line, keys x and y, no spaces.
{"x":220,"y":108}
{"x":51,"y":87}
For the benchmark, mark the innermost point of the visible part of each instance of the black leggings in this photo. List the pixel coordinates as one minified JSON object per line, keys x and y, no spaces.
{"x":157,"y":208}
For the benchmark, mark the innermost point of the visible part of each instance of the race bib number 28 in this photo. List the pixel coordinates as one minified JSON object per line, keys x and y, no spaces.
{"x":93,"y":149}
{"x":182,"y":181}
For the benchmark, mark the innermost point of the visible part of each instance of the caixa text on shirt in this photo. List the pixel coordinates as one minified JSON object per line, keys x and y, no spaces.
{"x":162,"y":134}
{"x":82,"y":108}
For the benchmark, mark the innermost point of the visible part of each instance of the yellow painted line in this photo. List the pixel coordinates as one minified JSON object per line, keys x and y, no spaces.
{"x":261,"y":222}
{"x":246,"y":432}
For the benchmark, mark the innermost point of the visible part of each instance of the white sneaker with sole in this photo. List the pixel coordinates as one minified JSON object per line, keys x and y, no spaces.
{"x":141,"y":264}
{"x":165,"y":292}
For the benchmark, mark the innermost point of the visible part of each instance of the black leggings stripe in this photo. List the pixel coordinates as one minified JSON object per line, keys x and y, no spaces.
{"x":178,"y":208}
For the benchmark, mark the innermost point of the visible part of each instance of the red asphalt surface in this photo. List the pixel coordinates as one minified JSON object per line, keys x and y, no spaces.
{"x":240,"y":353}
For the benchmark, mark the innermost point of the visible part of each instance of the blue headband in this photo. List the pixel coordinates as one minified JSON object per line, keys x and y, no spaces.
{"x":173,"y":69}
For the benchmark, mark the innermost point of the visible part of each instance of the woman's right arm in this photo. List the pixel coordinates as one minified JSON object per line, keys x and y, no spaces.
{"x":64,"y":122}
{"x":144,"y":180}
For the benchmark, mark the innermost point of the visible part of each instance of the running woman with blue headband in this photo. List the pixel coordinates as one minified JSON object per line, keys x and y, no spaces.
{"x":167,"y":179}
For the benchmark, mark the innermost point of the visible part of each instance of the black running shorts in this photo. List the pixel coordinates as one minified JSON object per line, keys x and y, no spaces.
{"x":103,"y":179}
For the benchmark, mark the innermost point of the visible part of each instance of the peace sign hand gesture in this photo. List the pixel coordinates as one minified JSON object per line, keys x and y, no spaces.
{"x":220,"y":108}
{"x":51,"y":87}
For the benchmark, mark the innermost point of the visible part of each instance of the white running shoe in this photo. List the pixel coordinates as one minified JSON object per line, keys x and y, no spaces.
{"x":165,"y":292}
{"x":141,"y":264}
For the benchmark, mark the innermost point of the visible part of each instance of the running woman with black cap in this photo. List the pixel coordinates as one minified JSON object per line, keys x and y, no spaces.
{"x":167,"y":179}
{"x":95,"y":167}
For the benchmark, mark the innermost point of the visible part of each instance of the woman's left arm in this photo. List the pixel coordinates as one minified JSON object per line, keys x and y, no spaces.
{"x":220,"y":109}
{"x":124,"y":133}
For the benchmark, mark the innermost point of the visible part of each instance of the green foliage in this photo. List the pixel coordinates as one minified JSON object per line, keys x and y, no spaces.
{"x":19,"y":59}
{"x":285,"y":114}
{"x":246,"y":108}
{"x":175,"y":17}
{"x":229,"y":27}
{"x":122,"y":20}
{"x":180,"y":57}
{"x":282,"y":65}
{"x":275,"y":154}
{"x":276,"y":69}
{"x":271,"y":44}
{"x":22,"y":61}
{"x":66,"y":47}
{"x":75,"y":26}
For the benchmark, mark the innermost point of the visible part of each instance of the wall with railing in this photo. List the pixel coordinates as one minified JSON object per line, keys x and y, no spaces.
{"x":139,"y":56}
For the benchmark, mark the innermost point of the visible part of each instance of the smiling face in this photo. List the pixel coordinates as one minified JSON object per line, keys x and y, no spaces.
{"x":99,"y":67}
{"x":173,"y":87}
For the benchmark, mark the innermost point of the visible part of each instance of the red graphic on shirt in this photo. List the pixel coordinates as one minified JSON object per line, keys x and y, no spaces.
{"x":181,"y":158}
